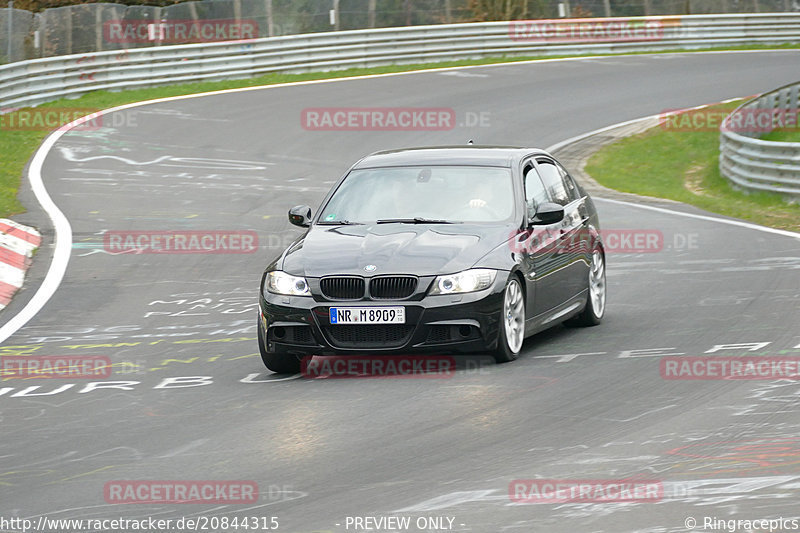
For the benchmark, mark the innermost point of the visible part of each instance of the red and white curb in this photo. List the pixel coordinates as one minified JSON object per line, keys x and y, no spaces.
{"x":17,"y":243}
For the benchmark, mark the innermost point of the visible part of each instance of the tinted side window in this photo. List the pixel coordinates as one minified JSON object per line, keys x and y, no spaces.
{"x":569,"y":183}
{"x":535,"y":193}
{"x":551,"y":177}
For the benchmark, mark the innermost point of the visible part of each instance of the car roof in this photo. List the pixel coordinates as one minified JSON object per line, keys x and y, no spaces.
{"x":494,"y":156}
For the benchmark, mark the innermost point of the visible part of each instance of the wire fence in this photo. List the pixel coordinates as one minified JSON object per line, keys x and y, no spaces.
{"x":87,"y":28}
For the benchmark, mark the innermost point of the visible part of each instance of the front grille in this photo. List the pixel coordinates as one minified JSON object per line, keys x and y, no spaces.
{"x":342,"y":288}
{"x":369,"y":336}
{"x":392,"y":287}
{"x":301,"y":334}
{"x":439,"y":334}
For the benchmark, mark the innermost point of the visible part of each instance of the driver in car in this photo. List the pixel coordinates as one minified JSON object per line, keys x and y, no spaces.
{"x":482,"y":197}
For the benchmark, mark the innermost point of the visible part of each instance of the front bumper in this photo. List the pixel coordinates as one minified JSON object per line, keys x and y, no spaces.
{"x":442,"y":324}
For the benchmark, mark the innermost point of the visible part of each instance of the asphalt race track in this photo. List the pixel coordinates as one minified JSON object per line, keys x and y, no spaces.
{"x":579,"y":403}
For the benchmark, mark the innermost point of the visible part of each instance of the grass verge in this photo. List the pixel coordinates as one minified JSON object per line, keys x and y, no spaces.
{"x":17,"y":146}
{"x":788,"y":136}
{"x":684,"y":166}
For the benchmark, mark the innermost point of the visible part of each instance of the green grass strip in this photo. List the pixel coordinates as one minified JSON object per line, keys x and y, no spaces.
{"x":788,"y":136}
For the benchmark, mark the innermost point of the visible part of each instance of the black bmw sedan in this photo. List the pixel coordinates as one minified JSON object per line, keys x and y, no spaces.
{"x":442,"y":250}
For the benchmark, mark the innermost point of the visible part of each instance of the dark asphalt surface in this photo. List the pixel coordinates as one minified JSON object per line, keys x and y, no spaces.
{"x":578,"y":404}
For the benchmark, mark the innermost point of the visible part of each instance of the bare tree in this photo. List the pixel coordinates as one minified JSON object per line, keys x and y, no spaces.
{"x":483,"y":10}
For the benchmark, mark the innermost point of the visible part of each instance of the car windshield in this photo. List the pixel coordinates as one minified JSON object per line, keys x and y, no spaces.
{"x":437,"y":194}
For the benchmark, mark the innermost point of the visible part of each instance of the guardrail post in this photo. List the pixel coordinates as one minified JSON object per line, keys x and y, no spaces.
{"x":98,"y":30}
{"x":69,"y":30}
{"x":10,"y":16}
{"x":270,"y":21}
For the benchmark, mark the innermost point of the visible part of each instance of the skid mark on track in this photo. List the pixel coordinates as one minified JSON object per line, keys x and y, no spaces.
{"x":69,"y":154}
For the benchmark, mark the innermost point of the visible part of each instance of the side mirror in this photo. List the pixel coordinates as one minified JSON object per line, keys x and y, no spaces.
{"x":300,"y":215}
{"x":548,"y":213}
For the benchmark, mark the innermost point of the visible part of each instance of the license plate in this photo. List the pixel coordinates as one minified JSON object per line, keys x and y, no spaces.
{"x":368,"y":315}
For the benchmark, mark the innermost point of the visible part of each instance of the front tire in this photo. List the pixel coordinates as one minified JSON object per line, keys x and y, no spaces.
{"x":595,"y":308}
{"x":278,"y":363}
{"x":512,"y":323}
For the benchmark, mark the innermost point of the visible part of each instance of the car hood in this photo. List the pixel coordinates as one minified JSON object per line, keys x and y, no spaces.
{"x":419,"y":249}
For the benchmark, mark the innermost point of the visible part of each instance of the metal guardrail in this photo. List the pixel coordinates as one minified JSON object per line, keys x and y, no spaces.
{"x":32,"y":82}
{"x":756,"y":164}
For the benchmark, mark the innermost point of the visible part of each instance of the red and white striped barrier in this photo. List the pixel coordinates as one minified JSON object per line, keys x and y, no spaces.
{"x":17,"y":243}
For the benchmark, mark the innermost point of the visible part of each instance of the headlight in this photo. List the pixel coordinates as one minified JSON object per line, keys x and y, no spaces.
{"x":472,"y":280}
{"x":282,"y":283}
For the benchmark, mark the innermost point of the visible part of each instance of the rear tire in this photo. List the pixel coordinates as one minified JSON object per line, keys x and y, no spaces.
{"x":279,"y":363}
{"x":595,"y":307}
{"x":512,"y":323}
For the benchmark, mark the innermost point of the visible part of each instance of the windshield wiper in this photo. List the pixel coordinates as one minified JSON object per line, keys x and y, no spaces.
{"x":415,"y":220}
{"x":338,"y":223}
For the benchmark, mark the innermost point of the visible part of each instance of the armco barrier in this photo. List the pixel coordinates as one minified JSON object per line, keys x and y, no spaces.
{"x":756,"y":164}
{"x":27,"y":83}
